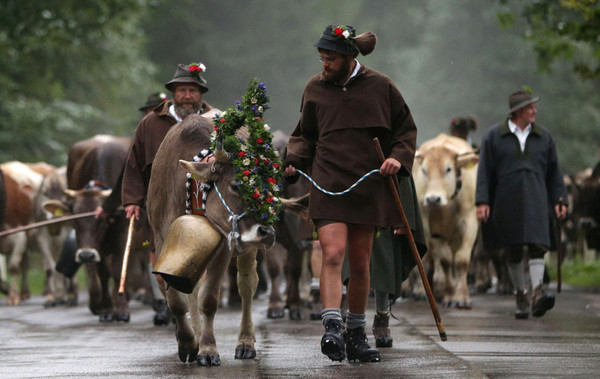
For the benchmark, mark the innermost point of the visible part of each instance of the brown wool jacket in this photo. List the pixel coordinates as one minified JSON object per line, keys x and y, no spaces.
{"x":149,"y":134}
{"x":333,"y":141}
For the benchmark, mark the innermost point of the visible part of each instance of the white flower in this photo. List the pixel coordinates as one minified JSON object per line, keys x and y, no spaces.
{"x":267,"y":127}
{"x":253,"y":100}
{"x":202,"y":67}
{"x":276,"y":154}
{"x":243,"y":147}
{"x":252,"y":181}
{"x":246,"y":162}
{"x":275,"y":199}
{"x":261,"y":109}
{"x":346,"y":34}
{"x":275,"y":188}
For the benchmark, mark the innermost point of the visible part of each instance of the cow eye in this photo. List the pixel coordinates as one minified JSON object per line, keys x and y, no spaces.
{"x":424,"y":171}
{"x":448,"y":169}
{"x":233,"y":187}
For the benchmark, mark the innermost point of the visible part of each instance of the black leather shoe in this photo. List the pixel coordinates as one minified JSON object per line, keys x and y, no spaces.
{"x":358,"y":348}
{"x":332,"y":343}
{"x":542,"y":302}
{"x":522,"y":311}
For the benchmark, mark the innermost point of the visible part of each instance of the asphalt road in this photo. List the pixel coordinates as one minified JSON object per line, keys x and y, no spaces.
{"x":486,"y":341}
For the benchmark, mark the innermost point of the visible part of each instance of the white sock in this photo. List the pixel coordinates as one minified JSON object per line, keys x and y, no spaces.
{"x":536,"y":271}
{"x":516,"y":271}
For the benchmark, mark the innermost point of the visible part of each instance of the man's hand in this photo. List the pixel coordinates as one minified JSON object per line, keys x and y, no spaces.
{"x":132,"y":209}
{"x":99,"y":212}
{"x":290,"y":171}
{"x":561,"y":211}
{"x":483,"y":212}
{"x":390,"y":167}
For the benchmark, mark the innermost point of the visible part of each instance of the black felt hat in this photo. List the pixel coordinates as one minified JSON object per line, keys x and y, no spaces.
{"x":188,"y":74}
{"x":153,"y":100}
{"x":338,"y":38}
{"x":520,"y":99}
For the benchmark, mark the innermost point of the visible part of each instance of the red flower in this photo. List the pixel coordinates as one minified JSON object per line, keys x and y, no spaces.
{"x":339,"y":32}
{"x":222,"y":120}
{"x":255,"y":160}
{"x":269,"y":199}
{"x":260,"y":140}
{"x":272,"y":180}
{"x":266,"y":161}
{"x":276,"y":165}
{"x":255,"y":195}
{"x":241,"y":154}
{"x":216,"y":128}
{"x":247,"y":172}
{"x":195,"y":68}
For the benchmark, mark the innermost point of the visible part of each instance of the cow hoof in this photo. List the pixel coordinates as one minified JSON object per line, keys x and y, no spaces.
{"x":209,"y":360}
{"x":71,"y":303}
{"x":245,"y":352}
{"x":121,"y":316}
{"x":50,"y":304}
{"x":464,"y":305}
{"x":188,"y":355}
{"x":275,"y":313}
{"x":296,"y":315}
{"x":106,"y":317}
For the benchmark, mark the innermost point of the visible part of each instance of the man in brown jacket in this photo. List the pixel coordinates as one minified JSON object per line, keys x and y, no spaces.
{"x":187,"y":88}
{"x":343,"y":108}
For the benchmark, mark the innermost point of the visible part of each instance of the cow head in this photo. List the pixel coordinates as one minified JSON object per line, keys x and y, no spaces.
{"x":439,"y":171}
{"x":252,"y":234}
{"x":90,"y":231}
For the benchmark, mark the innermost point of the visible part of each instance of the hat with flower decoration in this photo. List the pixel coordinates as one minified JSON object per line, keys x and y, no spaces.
{"x":338,"y":38}
{"x":188,"y":74}
{"x":154,"y":100}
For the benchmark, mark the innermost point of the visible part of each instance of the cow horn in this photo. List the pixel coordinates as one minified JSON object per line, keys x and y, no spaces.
{"x":220,"y":154}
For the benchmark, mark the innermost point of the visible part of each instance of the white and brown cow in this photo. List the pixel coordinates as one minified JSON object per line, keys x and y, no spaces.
{"x":166,"y":203}
{"x":50,"y":239}
{"x":22,"y":181}
{"x":93,"y":169}
{"x":445,"y":173}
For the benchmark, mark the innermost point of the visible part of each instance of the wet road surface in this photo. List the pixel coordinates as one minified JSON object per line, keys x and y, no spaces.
{"x":486,"y":341}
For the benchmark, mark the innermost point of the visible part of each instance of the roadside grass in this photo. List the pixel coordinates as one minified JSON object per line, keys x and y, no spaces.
{"x":579,"y":274}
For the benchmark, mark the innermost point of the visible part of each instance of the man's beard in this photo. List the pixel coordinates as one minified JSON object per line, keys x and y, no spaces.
{"x":340,"y":75}
{"x":188,"y":109}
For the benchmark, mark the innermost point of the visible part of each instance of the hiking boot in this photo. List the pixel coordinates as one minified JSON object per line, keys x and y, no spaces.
{"x":332,"y":343}
{"x":358,"y":348}
{"x":541,"y":302}
{"x":381,"y":330}
{"x":522,"y":311}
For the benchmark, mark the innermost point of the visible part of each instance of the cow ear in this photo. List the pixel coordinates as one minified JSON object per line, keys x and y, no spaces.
{"x":200,"y":171}
{"x":56,"y":208}
{"x":467,"y":160}
{"x":418,"y":158}
{"x":106,"y":193}
{"x":70,"y":193}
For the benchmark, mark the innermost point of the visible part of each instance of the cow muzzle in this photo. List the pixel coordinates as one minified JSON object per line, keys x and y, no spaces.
{"x":87,"y":256}
{"x":261,"y":235}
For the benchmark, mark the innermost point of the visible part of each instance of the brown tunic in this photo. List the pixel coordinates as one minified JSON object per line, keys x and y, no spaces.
{"x":149,"y":134}
{"x":334,"y":142}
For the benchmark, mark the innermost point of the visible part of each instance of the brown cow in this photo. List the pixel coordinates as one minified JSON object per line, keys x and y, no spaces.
{"x":93,"y":169}
{"x":166,"y":203}
{"x":445,"y":173}
{"x":22,"y":181}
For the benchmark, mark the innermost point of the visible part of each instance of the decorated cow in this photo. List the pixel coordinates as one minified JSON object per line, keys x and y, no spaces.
{"x":232,"y":196}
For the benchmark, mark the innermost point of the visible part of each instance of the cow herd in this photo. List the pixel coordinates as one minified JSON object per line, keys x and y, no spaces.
{"x":444,"y":172}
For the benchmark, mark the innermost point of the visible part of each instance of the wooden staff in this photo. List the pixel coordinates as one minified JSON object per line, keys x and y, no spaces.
{"x":393,"y":185}
{"x":126,"y":254}
{"x":559,"y":248}
{"x":45,"y":222}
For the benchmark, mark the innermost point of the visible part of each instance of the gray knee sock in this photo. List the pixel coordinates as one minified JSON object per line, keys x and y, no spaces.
{"x":356,"y":320}
{"x":536,"y":272}
{"x":331,"y":314}
{"x":516,"y":271}
{"x":382,"y":301}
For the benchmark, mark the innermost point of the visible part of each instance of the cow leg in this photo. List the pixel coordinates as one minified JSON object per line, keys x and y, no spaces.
{"x":462,"y":259}
{"x":44,"y":244}
{"x":209,"y":302}
{"x":187,"y":342}
{"x":94,"y":288}
{"x":274,"y":267}
{"x":247,"y":283}
{"x":19,"y":241}
{"x":25,"y":291}
{"x":106,"y":303}
{"x":294,"y":266}
{"x":120,"y":301}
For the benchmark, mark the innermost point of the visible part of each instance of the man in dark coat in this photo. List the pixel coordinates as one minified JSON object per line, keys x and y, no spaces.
{"x":518,"y":181}
{"x":187,"y":88}
{"x":343,"y":108}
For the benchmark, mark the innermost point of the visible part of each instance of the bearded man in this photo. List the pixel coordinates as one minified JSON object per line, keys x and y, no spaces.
{"x":344,"y":107}
{"x":187,"y":87}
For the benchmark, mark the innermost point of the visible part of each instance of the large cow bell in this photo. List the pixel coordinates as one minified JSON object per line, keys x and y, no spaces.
{"x":190,"y":243}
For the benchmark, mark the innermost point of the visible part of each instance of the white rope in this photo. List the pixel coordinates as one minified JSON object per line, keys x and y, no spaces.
{"x":337,"y":193}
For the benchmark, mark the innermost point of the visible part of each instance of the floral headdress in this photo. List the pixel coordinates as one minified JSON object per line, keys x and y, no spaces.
{"x":197,"y":68}
{"x":341,"y":31}
{"x":257,"y":167}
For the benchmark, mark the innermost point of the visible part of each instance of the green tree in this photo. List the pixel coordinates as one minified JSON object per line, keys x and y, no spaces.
{"x":69,"y":69}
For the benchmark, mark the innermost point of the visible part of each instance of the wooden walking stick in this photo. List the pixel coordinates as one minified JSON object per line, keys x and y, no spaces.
{"x":126,"y":254}
{"x":393,"y":185}
{"x":559,"y":249}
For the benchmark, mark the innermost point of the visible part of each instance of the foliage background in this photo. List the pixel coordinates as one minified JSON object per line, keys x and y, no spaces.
{"x":70,"y":69}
